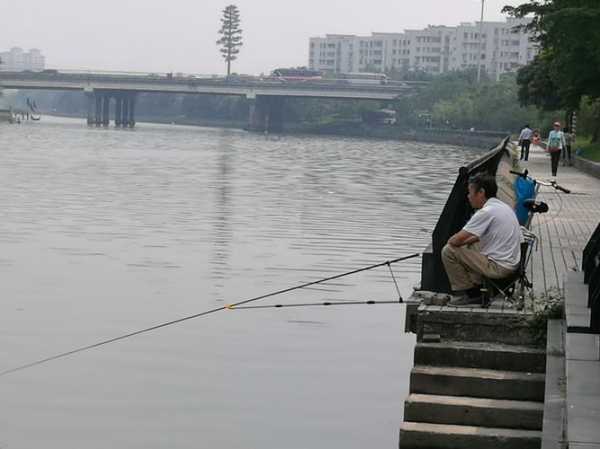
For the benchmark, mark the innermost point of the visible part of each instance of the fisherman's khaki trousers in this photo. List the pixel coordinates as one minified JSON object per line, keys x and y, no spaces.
{"x":466,"y":266}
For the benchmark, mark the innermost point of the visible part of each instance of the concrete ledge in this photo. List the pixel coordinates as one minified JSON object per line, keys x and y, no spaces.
{"x":554,"y":427}
{"x":578,"y":314}
{"x":473,"y":411}
{"x":423,"y":435}
{"x":587,"y":166}
{"x":482,"y":383}
{"x":475,"y":324}
{"x":583,"y":401}
{"x":481,"y":355}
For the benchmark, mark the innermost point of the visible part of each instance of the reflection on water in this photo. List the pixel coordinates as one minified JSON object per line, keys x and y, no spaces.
{"x":108,"y":231}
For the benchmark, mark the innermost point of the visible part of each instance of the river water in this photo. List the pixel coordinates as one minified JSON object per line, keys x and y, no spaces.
{"x":104,"y":232}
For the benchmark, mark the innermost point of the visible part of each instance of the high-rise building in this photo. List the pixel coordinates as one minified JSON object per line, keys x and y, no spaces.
{"x":17,"y":60}
{"x":502,"y":47}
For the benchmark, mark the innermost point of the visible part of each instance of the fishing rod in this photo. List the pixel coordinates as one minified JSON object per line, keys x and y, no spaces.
{"x":206,"y":312}
{"x":311,"y":304}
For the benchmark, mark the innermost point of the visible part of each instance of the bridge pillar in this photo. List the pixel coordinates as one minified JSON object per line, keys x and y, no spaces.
{"x":131,"y":108}
{"x":255,"y":115}
{"x":98,"y":116}
{"x":266,"y":113}
{"x":125,"y":110}
{"x":275,"y":114}
{"x":105,"y":109}
{"x":118,"y":110}
{"x":90,"y":98}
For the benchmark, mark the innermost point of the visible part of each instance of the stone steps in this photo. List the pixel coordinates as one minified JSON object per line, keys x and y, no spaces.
{"x":471,"y":411}
{"x":481,"y":383}
{"x":481,"y":355}
{"x":475,"y":324}
{"x":478,"y":381}
{"x":415,"y":435}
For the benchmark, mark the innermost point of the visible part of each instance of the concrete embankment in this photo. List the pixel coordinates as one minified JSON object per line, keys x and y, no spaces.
{"x":587,"y":166}
{"x":477,"y":139}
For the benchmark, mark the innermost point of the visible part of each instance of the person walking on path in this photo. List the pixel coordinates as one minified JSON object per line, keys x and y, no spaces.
{"x":566,"y":153}
{"x":488,"y":245}
{"x":536,"y":137}
{"x":554,"y":146}
{"x":525,"y":141}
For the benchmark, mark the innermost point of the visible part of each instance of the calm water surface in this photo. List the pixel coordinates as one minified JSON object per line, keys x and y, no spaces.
{"x":108,"y":231}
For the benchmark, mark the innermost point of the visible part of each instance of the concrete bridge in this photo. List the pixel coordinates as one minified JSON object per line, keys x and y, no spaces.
{"x":266,"y":96}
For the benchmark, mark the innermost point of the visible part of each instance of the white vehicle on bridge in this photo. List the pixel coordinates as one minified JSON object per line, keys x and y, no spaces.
{"x":364,"y":78}
{"x":296,"y":74}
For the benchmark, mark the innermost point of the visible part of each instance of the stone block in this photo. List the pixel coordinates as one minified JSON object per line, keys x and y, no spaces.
{"x":482,"y":383}
{"x":473,"y":411}
{"x":481,"y":355}
{"x":444,"y":436}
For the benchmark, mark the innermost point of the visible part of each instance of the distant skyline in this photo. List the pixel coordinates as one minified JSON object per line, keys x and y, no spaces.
{"x":180,"y":35}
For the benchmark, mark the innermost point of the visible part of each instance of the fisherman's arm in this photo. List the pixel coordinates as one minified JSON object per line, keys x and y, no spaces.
{"x":462,"y":238}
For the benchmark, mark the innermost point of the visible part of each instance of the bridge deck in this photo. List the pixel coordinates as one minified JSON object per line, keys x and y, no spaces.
{"x":219,"y":86}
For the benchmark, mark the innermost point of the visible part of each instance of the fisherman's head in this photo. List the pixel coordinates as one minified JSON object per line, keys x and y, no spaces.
{"x":482,"y":187}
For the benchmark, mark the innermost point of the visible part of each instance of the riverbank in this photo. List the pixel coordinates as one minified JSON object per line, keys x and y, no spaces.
{"x":466,"y":138}
{"x":463,"y":138}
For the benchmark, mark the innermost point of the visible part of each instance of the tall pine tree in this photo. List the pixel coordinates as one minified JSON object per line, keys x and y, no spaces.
{"x":231,"y":35}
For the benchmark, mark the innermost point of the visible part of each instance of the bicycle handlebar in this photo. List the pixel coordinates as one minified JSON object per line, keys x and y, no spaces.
{"x":518,"y":173}
{"x":553,"y":184}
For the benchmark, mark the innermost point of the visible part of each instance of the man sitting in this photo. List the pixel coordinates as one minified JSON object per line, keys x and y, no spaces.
{"x":488,"y":245}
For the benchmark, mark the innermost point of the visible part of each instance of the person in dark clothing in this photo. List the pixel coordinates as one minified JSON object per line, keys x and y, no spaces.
{"x":554,"y":146}
{"x":525,"y":142}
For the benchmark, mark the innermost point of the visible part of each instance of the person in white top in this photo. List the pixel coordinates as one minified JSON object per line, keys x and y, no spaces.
{"x":488,"y":245}
{"x":525,"y":142}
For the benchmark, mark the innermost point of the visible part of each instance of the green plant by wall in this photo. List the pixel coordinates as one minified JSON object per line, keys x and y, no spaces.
{"x":547,"y":306}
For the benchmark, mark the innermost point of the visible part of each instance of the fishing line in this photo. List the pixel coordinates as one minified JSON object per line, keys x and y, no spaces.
{"x":197,"y":315}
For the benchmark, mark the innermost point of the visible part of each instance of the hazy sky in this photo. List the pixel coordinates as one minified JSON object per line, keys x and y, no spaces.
{"x":180,"y":35}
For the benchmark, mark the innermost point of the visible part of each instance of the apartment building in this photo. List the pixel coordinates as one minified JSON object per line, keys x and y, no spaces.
{"x":436,"y":49}
{"x":16,"y":60}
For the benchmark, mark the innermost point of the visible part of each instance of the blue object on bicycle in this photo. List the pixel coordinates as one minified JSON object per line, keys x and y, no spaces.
{"x":525,"y":189}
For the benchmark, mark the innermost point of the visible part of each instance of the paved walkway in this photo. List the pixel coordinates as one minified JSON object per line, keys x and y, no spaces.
{"x":566,"y":228}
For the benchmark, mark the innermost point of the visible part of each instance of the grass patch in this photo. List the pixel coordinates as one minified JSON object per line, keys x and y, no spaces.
{"x":590,"y":150}
{"x":548,"y":306}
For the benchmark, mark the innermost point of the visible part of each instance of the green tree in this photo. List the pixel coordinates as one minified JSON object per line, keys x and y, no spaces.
{"x":567,"y":68}
{"x":231,"y":35}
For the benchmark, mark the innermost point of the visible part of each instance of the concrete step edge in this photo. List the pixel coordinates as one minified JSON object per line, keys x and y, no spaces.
{"x":483,"y":356}
{"x":479,"y":346}
{"x":479,"y":373}
{"x":467,"y":401}
{"x":474,"y":431}
{"x":477,"y":382}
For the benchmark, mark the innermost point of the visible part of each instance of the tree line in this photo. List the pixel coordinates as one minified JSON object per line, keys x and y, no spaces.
{"x":565,"y":73}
